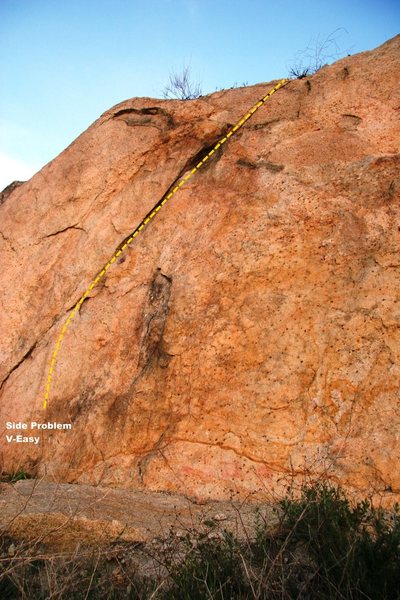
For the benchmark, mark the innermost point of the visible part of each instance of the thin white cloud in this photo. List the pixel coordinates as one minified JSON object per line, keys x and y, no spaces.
{"x":13,"y":169}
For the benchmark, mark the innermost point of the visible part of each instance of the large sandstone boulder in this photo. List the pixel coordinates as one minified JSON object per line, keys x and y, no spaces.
{"x":251,"y":332}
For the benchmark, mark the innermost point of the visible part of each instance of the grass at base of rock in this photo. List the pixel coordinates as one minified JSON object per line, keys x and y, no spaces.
{"x":14,"y":477}
{"x":324,"y":547}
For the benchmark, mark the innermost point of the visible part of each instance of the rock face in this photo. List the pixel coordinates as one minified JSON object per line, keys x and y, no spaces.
{"x":251,"y":332}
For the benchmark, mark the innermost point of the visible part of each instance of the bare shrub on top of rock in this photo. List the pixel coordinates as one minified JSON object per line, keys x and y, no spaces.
{"x":318,"y":53}
{"x":181,"y":87}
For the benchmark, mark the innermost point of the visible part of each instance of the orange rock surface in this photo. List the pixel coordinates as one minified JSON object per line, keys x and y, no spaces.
{"x":251,"y":332}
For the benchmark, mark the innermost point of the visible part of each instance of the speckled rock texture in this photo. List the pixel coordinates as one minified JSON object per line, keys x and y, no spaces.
{"x":250,"y":334}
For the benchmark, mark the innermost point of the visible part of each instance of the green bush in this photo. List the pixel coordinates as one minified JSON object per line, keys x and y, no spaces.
{"x":212,"y":569}
{"x":14,"y":477}
{"x":354,"y":549}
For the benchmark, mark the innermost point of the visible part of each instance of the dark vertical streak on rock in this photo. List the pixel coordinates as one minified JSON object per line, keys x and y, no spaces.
{"x":152,"y":350}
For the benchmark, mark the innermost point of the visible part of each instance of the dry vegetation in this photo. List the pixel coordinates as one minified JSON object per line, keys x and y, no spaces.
{"x":324,"y":547}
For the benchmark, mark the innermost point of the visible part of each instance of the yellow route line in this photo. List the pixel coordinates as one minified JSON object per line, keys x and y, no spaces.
{"x":142,"y":224}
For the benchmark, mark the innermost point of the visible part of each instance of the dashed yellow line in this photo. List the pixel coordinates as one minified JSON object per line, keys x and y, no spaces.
{"x":142,"y":224}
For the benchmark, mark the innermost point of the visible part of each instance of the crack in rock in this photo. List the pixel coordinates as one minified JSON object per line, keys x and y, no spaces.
{"x":19,"y":363}
{"x":7,"y":240}
{"x":75,"y":226}
{"x":143,"y":116}
{"x":188,"y":166}
{"x":244,"y":162}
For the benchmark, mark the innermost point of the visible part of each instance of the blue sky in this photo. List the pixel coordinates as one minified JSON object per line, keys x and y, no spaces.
{"x":64,"y":62}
